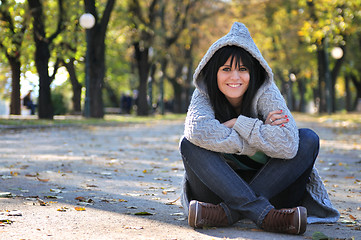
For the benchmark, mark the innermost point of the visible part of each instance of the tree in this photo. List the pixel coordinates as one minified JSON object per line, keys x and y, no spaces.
{"x":173,"y":19}
{"x":329,"y":24}
{"x":69,"y":50}
{"x":142,"y":20}
{"x":96,"y":47}
{"x":11,"y":40}
{"x":180,"y":26}
{"x":42,"y":54}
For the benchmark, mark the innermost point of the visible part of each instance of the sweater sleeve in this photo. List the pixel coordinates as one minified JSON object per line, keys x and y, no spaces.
{"x":274,"y":141}
{"x":202,"y":129}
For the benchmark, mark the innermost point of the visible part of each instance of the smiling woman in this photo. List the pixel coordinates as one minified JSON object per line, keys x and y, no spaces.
{"x":243,"y":155}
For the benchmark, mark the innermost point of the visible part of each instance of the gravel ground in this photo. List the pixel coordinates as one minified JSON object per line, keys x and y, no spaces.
{"x":123,"y":182}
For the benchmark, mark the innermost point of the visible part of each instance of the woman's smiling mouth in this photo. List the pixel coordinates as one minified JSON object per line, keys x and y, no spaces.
{"x":234,"y":85}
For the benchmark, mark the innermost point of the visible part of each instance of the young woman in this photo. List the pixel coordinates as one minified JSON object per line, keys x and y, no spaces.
{"x":243,"y":154}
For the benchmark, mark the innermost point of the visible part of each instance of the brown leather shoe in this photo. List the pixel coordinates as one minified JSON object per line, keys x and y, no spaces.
{"x":206,"y":215}
{"x":291,"y":220}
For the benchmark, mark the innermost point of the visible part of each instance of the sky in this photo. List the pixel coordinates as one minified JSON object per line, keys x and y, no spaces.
{"x":31,"y":81}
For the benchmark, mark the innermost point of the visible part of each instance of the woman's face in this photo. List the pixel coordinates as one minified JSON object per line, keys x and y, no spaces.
{"x":233,"y":81}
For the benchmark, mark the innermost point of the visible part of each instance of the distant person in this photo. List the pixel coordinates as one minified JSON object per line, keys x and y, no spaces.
{"x":243,"y":155}
{"x":28,"y":103}
{"x":126,"y":103}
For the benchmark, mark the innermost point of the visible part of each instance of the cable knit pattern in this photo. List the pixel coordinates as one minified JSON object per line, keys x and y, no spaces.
{"x":250,"y":134}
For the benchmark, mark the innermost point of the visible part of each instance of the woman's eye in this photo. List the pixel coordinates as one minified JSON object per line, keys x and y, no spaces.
{"x":242,"y":69}
{"x":226,"y":69}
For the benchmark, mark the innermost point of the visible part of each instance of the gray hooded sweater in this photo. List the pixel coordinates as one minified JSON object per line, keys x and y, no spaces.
{"x":250,"y":134}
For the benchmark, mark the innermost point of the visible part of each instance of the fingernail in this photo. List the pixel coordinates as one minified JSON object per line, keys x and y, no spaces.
{"x":287,"y":119}
{"x":286,"y":116}
{"x":281,"y":111}
{"x":282,"y":125}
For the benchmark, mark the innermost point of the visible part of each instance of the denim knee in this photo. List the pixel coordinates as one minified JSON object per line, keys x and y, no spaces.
{"x":309,"y":137}
{"x":184,"y":144}
{"x":309,"y":142}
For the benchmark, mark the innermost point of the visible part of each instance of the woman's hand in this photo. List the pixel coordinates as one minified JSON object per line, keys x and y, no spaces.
{"x":276,"y":118}
{"x":230,"y":123}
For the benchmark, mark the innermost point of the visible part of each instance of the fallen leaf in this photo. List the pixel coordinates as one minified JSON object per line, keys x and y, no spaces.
{"x":5,"y":194}
{"x":352,"y":217}
{"x":30,"y":175}
{"x":63,"y":209}
{"x":256,"y":230}
{"x":42,"y":180}
{"x":79,"y":209}
{"x":53,"y":197}
{"x":55,"y":190}
{"x":172,"y":202}
{"x":143,"y":213}
{"x":14,"y":213}
{"x":177,"y":214}
{"x":6,"y":221}
{"x":41,"y":202}
{"x":135,"y":227}
{"x":82,"y":199}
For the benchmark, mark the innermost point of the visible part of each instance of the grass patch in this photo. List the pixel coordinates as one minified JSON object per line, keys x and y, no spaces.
{"x":79,"y":120}
{"x":347,"y":118}
{"x":344,"y":117}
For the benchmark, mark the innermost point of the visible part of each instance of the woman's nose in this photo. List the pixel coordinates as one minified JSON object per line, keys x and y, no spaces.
{"x":235,"y":75}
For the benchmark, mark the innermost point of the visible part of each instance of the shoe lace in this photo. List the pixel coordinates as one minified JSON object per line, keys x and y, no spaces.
{"x":280,"y":220}
{"x":213,"y":215}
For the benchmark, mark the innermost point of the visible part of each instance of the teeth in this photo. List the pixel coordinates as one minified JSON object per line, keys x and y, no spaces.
{"x":233,"y":85}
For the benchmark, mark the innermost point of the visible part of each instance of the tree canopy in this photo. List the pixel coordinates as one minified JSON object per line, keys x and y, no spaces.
{"x":149,"y":49}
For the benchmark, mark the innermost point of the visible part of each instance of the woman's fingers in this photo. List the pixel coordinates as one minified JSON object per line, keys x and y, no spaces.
{"x":276,"y":118}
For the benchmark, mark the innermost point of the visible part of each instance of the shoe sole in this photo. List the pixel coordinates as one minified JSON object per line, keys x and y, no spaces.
{"x":302,"y":219}
{"x":192,"y":213}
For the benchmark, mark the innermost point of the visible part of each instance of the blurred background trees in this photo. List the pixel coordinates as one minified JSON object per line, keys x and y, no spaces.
{"x":148,"y":50}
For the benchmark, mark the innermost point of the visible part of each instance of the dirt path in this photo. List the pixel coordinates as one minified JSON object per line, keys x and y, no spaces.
{"x":92,"y":182}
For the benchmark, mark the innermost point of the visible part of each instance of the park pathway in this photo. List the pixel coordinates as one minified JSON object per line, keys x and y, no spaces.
{"x":123,"y":182}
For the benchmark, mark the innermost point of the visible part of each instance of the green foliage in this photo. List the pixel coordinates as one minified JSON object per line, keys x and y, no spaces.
{"x":287,"y":33}
{"x":60,"y":97}
{"x":58,"y":103}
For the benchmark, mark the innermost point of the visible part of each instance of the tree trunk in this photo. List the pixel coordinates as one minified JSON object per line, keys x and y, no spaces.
{"x":15,"y":103}
{"x":96,"y":57}
{"x":178,"y":101}
{"x":321,"y":80}
{"x":177,"y":89}
{"x":357,"y":83}
{"x":334,"y":74}
{"x":114,"y":98}
{"x":302,"y":89}
{"x":348,"y":94}
{"x":76,"y":86}
{"x":42,"y":55}
{"x":188,"y":85}
{"x":141,"y":56}
{"x":96,"y":73}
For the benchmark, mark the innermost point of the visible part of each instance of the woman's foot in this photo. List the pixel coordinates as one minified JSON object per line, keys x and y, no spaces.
{"x":291,"y":220}
{"x":206,"y":214}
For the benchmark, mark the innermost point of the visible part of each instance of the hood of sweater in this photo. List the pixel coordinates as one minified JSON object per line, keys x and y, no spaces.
{"x":237,"y":36}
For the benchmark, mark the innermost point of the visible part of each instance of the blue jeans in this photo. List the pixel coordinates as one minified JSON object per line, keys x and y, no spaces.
{"x":279,"y":183}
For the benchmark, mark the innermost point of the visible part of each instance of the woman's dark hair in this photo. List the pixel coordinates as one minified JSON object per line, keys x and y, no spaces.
{"x":222,"y":108}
